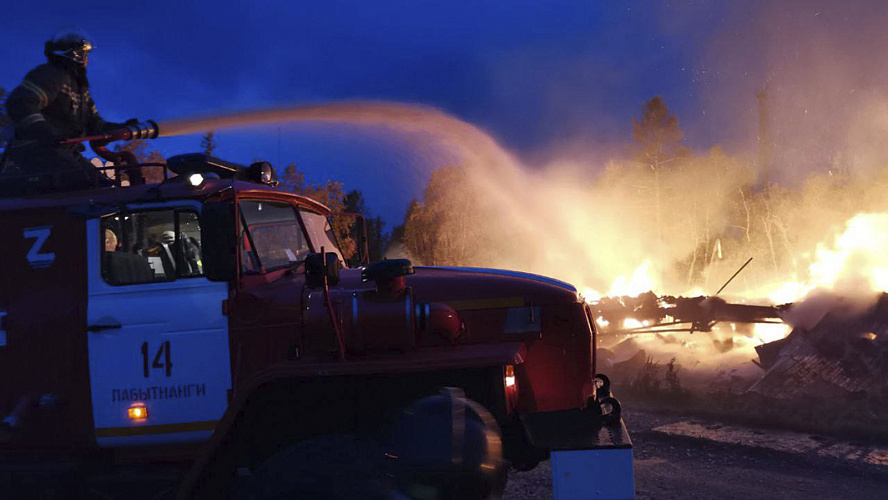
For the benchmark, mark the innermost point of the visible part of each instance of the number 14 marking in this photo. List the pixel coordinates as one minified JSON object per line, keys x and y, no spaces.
{"x":163,"y":350}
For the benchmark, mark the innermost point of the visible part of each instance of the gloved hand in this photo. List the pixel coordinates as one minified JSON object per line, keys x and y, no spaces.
{"x":42,"y":132}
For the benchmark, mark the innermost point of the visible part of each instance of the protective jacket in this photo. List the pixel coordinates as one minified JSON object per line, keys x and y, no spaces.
{"x":53,"y":103}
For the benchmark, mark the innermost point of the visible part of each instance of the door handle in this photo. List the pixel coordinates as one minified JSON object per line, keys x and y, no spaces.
{"x":104,"y":324}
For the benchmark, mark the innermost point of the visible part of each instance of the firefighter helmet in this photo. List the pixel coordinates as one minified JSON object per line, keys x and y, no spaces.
{"x":74,"y":45}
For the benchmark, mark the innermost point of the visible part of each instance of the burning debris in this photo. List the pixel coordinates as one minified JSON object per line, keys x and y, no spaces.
{"x":845,"y":355}
{"x":648,"y":313}
{"x":832,"y":367}
{"x":667,"y":345}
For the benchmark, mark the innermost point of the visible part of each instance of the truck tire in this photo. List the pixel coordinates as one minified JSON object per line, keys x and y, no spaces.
{"x":416,"y":452}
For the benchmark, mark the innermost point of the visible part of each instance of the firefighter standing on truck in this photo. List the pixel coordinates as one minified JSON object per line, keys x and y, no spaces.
{"x":52,"y":104}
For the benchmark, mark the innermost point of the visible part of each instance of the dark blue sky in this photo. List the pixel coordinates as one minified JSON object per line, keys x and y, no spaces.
{"x":539,"y":75}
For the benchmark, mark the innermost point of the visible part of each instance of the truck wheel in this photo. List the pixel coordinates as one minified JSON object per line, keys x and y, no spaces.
{"x":446,"y":446}
{"x":415,"y":456}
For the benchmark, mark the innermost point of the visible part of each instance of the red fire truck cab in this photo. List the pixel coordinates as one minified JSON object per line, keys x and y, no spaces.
{"x":212,"y":313}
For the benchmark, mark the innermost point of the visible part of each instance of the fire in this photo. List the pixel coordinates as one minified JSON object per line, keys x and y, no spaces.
{"x":859,"y":252}
{"x":769,"y":332}
{"x":788,"y":291}
{"x":849,"y":261}
{"x":855,"y":260}
{"x":591,"y":296}
{"x":629,"y":323}
{"x":846,"y":262}
{"x":640,"y":282}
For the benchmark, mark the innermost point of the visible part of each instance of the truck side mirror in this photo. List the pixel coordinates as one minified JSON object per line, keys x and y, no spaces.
{"x":218,"y":235}
{"x":362,"y":247}
{"x":320,"y":265}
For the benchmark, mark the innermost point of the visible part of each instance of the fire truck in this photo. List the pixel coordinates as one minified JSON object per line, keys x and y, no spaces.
{"x":209,"y":321}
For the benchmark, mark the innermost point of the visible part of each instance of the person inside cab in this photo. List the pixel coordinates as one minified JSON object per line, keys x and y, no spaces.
{"x":175,"y":256}
{"x":53,"y":103}
{"x":121,"y":267}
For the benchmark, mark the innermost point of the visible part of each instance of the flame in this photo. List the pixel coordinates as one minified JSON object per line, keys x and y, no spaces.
{"x":852,"y":259}
{"x":590,"y":296}
{"x":630,"y":323}
{"x":861,"y":251}
{"x":855,"y":260}
{"x":640,"y":282}
{"x":769,"y":332}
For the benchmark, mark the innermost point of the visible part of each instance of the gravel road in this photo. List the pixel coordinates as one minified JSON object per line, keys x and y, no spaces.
{"x":671,"y":467}
{"x":667,"y":466}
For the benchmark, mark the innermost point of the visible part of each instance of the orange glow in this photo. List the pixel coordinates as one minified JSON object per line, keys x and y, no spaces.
{"x":137,"y":412}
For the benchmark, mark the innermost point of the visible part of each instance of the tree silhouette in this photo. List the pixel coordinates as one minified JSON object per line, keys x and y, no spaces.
{"x":658,"y":137}
{"x":657,"y":134}
{"x":209,"y":143}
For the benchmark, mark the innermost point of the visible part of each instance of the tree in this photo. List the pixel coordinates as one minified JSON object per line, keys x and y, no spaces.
{"x":377,"y":240}
{"x":144,"y":154}
{"x":330,"y":194}
{"x":658,"y":138}
{"x":419,"y":233}
{"x":444,"y":229}
{"x":657,"y":134}
{"x":209,"y":143}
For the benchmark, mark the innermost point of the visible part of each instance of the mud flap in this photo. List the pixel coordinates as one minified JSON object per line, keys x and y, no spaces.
{"x":590,"y":460}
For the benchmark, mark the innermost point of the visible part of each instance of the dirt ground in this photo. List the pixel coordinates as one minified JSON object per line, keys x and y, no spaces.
{"x":670,"y":467}
{"x":667,"y":466}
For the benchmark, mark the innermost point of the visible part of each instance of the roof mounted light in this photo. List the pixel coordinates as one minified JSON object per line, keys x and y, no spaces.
{"x":196,"y":180}
{"x":263,"y":172}
{"x":186,"y":165}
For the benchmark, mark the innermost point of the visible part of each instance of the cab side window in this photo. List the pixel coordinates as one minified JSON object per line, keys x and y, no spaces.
{"x":321,"y":232}
{"x":271,"y":237}
{"x":151,"y":246}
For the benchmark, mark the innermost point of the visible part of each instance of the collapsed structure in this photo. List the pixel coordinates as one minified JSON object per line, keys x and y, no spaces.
{"x":844,"y":355}
{"x":841,"y":356}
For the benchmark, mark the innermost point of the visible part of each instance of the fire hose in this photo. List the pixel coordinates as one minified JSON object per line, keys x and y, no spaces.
{"x":124,"y":160}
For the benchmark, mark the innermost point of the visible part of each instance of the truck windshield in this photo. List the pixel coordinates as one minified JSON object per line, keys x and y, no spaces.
{"x":273,"y":236}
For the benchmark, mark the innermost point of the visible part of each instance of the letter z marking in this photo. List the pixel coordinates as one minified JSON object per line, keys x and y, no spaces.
{"x":36,"y":258}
